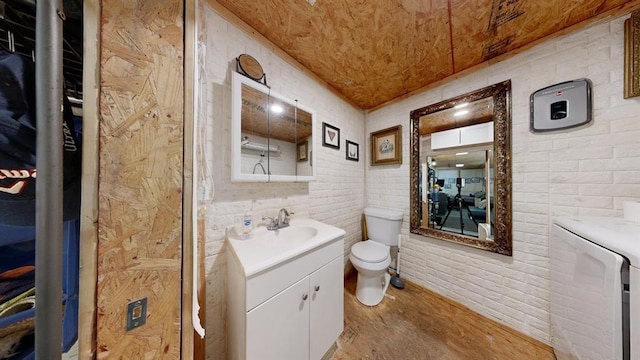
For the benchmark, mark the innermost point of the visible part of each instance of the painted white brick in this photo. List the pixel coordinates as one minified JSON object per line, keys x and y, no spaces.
{"x":565,"y":173}
{"x":554,"y":174}
{"x":626,"y":177}
{"x":563,"y":166}
{"x":625,"y":124}
{"x":337,"y":197}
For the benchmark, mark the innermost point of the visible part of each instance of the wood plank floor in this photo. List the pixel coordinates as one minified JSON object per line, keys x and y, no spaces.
{"x":415,"y":323}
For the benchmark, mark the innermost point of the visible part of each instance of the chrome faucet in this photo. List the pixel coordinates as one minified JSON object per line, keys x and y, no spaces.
{"x":282,"y":221}
{"x":283,"y":218}
{"x":273,"y":225}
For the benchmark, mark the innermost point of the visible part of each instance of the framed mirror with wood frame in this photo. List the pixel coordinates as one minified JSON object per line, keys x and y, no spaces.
{"x":632,"y":56}
{"x":461,"y":170}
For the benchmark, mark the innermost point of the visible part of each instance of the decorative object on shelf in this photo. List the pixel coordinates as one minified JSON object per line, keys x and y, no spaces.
{"x":303,"y":150}
{"x":353,"y":151}
{"x":632,"y":56}
{"x":248,"y":66}
{"x":386,"y":146}
{"x":330,"y":136}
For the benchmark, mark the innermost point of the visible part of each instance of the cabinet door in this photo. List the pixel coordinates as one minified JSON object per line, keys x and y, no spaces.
{"x":327,"y":307}
{"x":476,"y":134}
{"x":445,"y":139}
{"x":279,"y":328}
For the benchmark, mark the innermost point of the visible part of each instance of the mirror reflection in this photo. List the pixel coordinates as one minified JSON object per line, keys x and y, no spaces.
{"x":458,"y":191}
{"x":461,"y":169}
{"x":272,"y":136}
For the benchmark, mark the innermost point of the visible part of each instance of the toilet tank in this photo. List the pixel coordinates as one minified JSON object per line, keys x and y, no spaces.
{"x":383,"y":225}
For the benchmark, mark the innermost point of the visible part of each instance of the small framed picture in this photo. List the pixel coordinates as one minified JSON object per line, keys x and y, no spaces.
{"x":303,"y":151}
{"x":330,"y":136}
{"x":353,"y":151}
{"x":386,"y":146}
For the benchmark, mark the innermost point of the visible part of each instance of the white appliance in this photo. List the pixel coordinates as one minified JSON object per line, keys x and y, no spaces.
{"x":595,"y":288}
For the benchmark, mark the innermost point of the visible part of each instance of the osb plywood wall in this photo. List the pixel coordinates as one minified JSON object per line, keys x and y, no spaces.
{"x":140,"y":177}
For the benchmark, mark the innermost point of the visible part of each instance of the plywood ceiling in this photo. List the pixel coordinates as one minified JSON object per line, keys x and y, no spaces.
{"x":258,"y":119}
{"x":374,"y":51}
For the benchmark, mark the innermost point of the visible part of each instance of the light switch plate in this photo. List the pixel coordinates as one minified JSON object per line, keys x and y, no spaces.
{"x":136,"y":313}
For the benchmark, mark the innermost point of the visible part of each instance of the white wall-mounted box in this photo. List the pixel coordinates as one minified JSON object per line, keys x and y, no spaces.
{"x":561,"y":106}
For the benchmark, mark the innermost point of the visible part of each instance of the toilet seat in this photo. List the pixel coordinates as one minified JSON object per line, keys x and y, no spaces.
{"x":370,"y":251}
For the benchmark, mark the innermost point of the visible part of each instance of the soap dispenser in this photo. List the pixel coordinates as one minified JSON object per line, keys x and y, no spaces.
{"x":247,"y":226}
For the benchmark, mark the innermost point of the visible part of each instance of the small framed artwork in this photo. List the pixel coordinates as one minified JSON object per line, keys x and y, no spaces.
{"x":386,"y":146}
{"x":303,"y":151}
{"x":330,"y":136}
{"x":353,"y":151}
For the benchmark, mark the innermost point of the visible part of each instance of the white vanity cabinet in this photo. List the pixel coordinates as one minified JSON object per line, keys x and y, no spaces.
{"x":300,"y":322}
{"x":291,"y":310}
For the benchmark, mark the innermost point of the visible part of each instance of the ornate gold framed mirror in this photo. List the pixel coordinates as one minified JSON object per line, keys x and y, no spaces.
{"x":461,"y":169}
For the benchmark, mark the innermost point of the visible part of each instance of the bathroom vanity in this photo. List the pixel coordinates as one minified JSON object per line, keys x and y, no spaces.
{"x":285,"y":291}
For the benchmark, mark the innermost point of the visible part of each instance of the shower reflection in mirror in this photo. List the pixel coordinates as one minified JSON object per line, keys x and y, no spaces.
{"x":267,"y":132}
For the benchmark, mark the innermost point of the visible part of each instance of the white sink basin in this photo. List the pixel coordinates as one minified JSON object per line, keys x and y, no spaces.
{"x":293,"y":233}
{"x":267,"y":248}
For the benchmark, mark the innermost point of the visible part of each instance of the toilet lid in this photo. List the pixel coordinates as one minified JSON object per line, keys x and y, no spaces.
{"x":370,"y":251}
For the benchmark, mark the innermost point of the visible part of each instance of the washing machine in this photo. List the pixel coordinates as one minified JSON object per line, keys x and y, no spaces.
{"x":595,"y":288}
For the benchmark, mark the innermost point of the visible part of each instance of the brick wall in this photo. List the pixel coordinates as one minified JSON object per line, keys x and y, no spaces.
{"x":336,"y":197}
{"x":586,"y":171}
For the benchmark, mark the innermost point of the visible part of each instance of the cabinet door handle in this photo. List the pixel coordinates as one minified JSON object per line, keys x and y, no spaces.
{"x":305,"y":296}
{"x":317,"y":287}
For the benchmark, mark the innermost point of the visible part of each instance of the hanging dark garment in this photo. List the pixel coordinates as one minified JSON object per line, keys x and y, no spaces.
{"x":18,"y":145}
{"x":15,"y":282}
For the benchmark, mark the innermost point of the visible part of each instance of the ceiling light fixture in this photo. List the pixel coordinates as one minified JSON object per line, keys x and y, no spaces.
{"x":462,"y":153}
{"x":459,"y":165}
{"x":276,"y":109}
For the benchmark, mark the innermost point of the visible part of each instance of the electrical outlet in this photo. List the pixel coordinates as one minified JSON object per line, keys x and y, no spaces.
{"x":136,"y":313}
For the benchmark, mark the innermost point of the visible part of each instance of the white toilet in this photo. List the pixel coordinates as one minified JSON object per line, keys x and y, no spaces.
{"x":372,"y":258}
